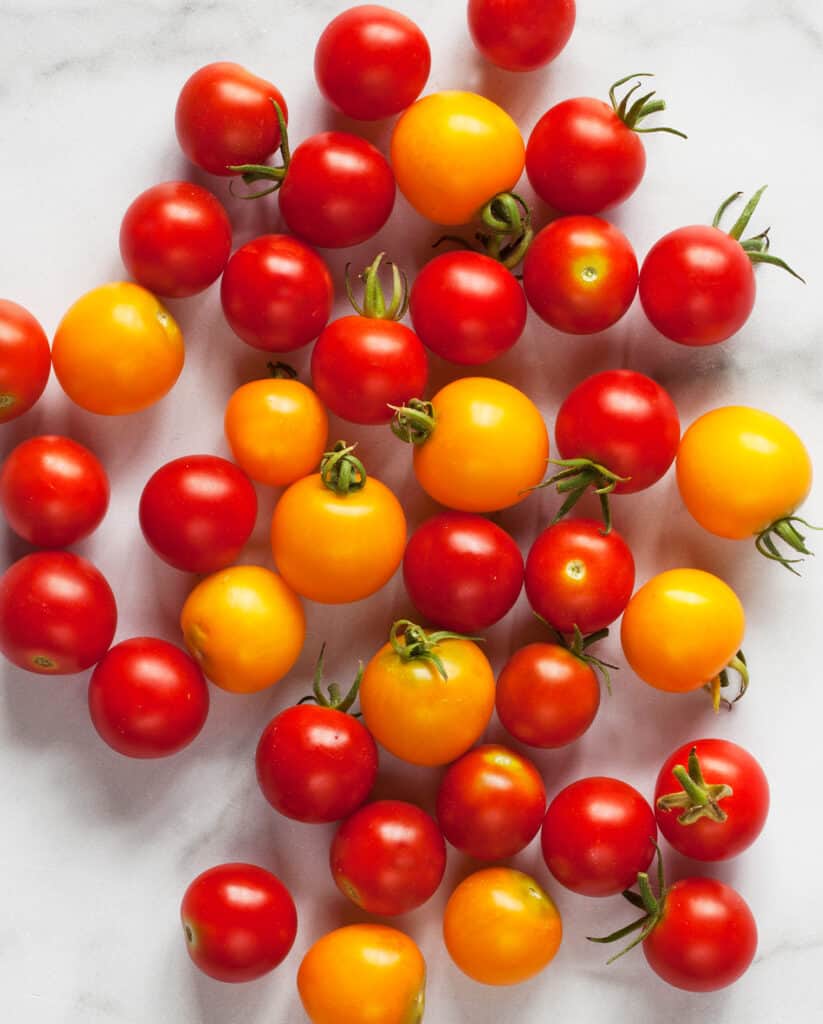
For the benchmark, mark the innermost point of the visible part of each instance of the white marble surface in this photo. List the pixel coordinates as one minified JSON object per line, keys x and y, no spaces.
{"x":97,"y":850}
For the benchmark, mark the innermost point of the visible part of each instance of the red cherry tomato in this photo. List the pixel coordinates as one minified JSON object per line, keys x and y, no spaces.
{"x":598,"y":834}
{"x":25,"y":360}
{"x":239,"y":921}
{"x":57,"y":613}
{"x":388,"y":858}
{"x":225,"y":116}
{"x":371,"y":62}
{"x":462,"y":571}
{"x":147,"y":698}
{"x":521,"y":35}
{"x":580,"y":274}
{"x":491,"y":803}
{"x":175,"y":239}
{"x":53,"y":491}
{"x":197,"y":512}
{"x":277,"y":293}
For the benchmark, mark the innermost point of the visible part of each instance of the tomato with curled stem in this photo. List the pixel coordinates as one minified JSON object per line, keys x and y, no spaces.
{"x":25,"y":360}
{"x":521,"y":35}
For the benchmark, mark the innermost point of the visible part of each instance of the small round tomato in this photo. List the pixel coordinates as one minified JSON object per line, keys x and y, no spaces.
{"x":521,"y":35}
{"x":712,"y":799}
{"x":363,"y":974}
{"x":597,"y":835}
{"x":175,"y":239}
{"x":53,"y":491}
{"x":117,"y":350}
{"x":500,"y":927}
{"x":57,"y":613}
{"x":579,"y":576}
{"x":427,"y":697}
{"x":453,"y":152}
{"x":25,"y":360}
{"x":277,"y":293}
{"x":226,"y":116}
{"x":239,"y":921}
{"x":147,"y":698}
{"x":490,"y":803}
{"x":245,"y":627}
{"x":580,"y":274}
{"x":462,"y":571}
{"x":371,"y":62}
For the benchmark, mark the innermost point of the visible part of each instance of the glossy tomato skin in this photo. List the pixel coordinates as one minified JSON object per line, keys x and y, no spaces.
{"x":57,"y":613}
{"x":582,"y":158}
{"x":462,"y":571}
{"x":147,"y":698}
{"x":316,"y":764}
{"x":339,"y":190}
{"x":697,"y":285}
{"x":371,"y":62}
{"x":362,"y":365}
{"x":25,"y":360}
{"x":521,"y":35}
{"x":624,"y":421}
{"x":239,"y":921}
{"x":225,"y":116}
{"x":491,"y":803}
{"x":597,"y":835}
{"x":277,"y":293}
{"x":53,"y":491}
{"x":580,"y":275}
{"x":197,"y":512}
{"x":706,"y":939}
{"x":577,"y":575}
{"x":467,"y":307}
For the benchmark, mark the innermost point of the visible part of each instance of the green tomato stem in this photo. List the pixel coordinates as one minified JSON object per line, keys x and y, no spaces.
{"x":341,"y":472}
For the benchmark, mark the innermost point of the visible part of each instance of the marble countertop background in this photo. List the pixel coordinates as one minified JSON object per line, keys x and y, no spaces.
{"x":96,"y":850}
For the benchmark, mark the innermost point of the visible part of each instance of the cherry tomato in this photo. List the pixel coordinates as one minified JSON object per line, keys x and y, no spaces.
{"x":25,"y":360}
{"x":175,"y":239}
{"x":490,"y":803}
{"x":239,"y":921}
{"x":245,"y":627}
{"x":57,"y":613}
{"x":521,"y":35}
{"x":147,"y":698}
{"x":371,"y":62}
{"x":580,"y":274}
{"x":53,"y":491}
{"x":277,"y":293}
{"x":197,"y":512}
{"x":467,"y":307}
{"x":597,"y":835}
{"x":452,"y":152}
{"x":462,"y":571}
{"x":500,"y":927}
{"x":117,"y":350}
{"x":225,"y":116}
{"x":579,"y":576}
{"x":363,"y":974}
{"x":427,"y":697}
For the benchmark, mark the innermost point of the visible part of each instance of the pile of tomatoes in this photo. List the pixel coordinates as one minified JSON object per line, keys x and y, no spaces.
{"x":338,"y":534}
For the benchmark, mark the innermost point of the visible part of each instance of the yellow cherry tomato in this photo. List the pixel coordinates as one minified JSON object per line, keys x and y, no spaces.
{"x":363,"y":974}
{"x":454,"y":151}
{"x":245,"y":627}
{"x":500,"y":927}
{"x":427,"y":697}
{"x":277,"y":430}
{"x":117,"y":350}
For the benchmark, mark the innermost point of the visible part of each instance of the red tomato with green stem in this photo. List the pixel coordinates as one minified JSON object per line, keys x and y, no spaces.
{"x":25,"y":360}
{"x":521,"y":35}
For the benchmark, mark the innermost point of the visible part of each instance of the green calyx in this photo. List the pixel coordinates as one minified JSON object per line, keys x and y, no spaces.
{"x":341,"y":471}
{"x":251,"y":173}
{"x":757,"y":246}
{"x":7,"y":401}
{"x":721,"y":681}
{"x":507,"y":230}
{"x":579,"y":645}
{"x":784,"y":529}
{"x":631,"y":114}
{"x":411,"y":642}
{"x":414,"y":422}
{"x":281,"y":371}
{"x":332,"y":698}
{"x":698,"y":798}
{"x":374,"y":304}
{"x":575,"y":477}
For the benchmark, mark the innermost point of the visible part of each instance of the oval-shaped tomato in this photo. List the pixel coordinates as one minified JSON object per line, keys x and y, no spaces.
{"x":521,"y":35}
{"x":490,"y":803}
{"x":57,"y":613}
{"x":454,"y":151}
{"x":245,"y":626}
{"x":25,"y":360}
{"x":500,"y":927}
{"x":117,"y":350}
{"x":239,"y":921}
{"x":53,"y":491}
